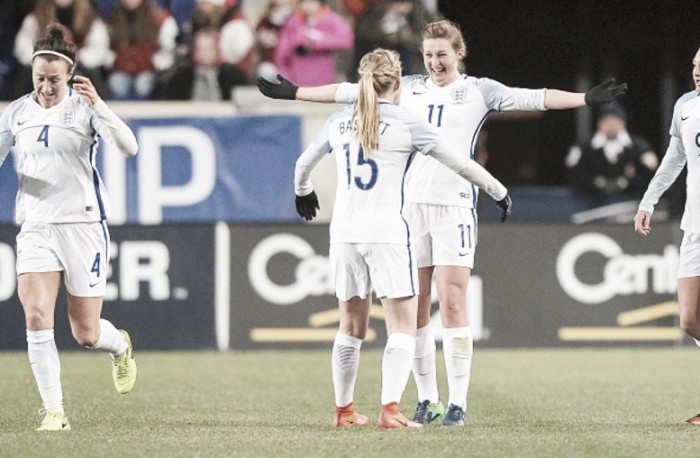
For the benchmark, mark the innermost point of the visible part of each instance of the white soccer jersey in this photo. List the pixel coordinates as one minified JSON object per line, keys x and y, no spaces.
{"x":370,"y":188}
{"x":54,"y":150}
{"x":457,"y":111}
{"x":686,"y":125}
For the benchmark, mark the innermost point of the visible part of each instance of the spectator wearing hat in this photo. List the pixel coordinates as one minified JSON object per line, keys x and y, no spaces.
{"x":614,"y":165}
{"x":307,"y":42}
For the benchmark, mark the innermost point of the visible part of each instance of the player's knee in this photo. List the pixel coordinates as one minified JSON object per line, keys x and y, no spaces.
{"x":86,"y":337}
{"x":36,"y":317}
{"x":691,"y":326}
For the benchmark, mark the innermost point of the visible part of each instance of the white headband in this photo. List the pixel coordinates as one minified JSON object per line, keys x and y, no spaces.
{"x":53,"y":53}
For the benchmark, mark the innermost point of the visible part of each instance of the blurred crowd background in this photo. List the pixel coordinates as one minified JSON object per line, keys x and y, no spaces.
{"x":205,"y":50}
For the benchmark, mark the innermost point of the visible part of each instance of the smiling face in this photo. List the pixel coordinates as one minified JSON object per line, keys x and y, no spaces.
{"x":50,"y":80}
{"x":441,"y":60}
{"x":696,"y":70}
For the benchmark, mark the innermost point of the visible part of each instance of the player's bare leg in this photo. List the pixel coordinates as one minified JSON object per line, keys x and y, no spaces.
{"x":95,"y":333}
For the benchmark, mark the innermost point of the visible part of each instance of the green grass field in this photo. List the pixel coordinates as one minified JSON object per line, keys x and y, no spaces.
{"x":523,"y":403}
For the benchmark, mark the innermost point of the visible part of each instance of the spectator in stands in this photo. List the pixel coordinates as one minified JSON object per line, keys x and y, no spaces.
{"x":358,"y":8}
{"x":14,"y":12}
{"x":267,"y":35}
{"x":307,"y":42}
{"x":236,"y":37}
{"x":143,"y":37}
{"x":614,"y":165}
{"x":88,"y":32}
{"x":204,"y":77}
{"x":393,"y":24}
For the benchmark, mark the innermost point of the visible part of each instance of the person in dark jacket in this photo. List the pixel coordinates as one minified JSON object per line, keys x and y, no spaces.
{"x":614,"y":165}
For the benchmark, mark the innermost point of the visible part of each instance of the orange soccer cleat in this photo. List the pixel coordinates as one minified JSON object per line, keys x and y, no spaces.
{"x":391,"y":417}
{"x":346,"y":417}
{"x":694,"y":420}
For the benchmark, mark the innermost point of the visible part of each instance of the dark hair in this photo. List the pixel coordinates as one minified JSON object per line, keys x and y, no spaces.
{"x":55,"y":40}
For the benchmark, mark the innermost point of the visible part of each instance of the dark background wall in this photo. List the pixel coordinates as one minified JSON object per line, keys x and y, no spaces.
{"x":573,"y":46}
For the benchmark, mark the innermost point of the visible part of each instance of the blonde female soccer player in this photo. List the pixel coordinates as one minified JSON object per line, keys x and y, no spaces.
{"x":441,"y":208}
{"x":683,"y":149}
{"x":375,"y":144}
{"x":62,"y":208}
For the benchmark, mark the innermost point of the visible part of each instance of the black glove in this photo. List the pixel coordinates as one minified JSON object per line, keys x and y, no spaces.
{"x":605,"y":92}
{"x":307,"y":206}
{"x":285,"y":90}
{"x":505,"y":205}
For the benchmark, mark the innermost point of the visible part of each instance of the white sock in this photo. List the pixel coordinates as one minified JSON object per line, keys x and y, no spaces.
{"x":396,"y":366}
{"x":345,"y":362}
{"x":46,"y":367}
{"x":424,"y":366}
{"x":110,"y":340}
{"x":458,"y":347}
{"x":697,"y":342}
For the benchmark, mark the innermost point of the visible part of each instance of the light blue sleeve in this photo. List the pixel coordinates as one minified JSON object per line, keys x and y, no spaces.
{"x":322,"y":140}
{"x":312,"y":155}
{"x":492,"y":91}
{"x":671,"y":166}
{"x":7,"y":138}
{"x":423,"y":136}
{"x":346,"y":93}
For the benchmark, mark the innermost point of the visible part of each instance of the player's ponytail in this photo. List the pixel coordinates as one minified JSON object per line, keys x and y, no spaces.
{"x":378,"y":71}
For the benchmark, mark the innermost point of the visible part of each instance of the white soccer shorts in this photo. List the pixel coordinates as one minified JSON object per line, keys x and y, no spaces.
{"x":79,"y":250}
{"x":444,"y":235}
{"x":389,"y":268}
{"x":689,"y":262}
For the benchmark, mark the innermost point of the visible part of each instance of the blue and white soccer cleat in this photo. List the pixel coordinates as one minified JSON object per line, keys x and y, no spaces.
{"x":427,"y":413}
{"x":454,"y":416}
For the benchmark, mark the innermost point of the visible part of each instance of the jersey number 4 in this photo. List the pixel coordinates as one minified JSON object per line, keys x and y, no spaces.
{"x":44,"y":136}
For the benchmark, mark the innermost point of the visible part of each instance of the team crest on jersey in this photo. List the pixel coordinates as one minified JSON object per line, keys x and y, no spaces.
{"x":67,"y":118}
{"x":459,"y":94}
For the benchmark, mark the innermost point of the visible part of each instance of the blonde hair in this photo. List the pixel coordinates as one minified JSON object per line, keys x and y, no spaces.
{"x":378,"y":71}
{"x":450,"y":32}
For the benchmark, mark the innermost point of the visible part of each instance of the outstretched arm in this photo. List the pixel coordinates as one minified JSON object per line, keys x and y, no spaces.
{"x":286,"y":90}
{"x":605,"y":92}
